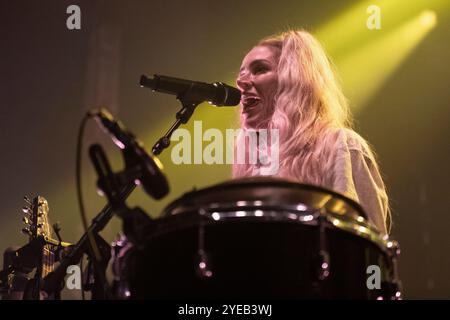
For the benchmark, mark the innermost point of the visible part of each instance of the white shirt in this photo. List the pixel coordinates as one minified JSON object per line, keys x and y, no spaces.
{"x":355,"y":175}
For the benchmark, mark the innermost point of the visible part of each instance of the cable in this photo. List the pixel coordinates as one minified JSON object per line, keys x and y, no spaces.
{"x":94,"y":248}
{"x":78,"y":170}
{"x":82,"y":287}
{"x":92,"y":242}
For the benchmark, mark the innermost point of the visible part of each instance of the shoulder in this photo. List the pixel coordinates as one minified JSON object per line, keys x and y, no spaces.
{"x":356,"y":175}
{"x":352,"y":155}
{"x":348,"y":141}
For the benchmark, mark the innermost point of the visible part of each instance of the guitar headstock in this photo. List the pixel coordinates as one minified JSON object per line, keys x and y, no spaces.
{"x":36,"y":218}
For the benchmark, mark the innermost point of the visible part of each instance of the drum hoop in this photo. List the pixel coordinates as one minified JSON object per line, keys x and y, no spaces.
{"x":275,"y":182}
{"x":194,"y":216}
{"x":356,"y":224}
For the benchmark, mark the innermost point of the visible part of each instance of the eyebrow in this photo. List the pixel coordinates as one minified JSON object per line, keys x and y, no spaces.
{"x":255,"y":62}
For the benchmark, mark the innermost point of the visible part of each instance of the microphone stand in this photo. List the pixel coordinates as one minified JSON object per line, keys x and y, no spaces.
{"x":53,"y":282}
{"x":135,"y":219}
{"x":117,"y":187}
{"x":182,"y":117}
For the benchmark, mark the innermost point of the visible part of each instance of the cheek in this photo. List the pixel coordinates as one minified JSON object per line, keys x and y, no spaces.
{"x":269,"y":85}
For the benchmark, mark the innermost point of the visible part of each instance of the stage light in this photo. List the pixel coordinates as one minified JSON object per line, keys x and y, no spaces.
{"x":348,"y":29}
{"x":365,"y":70}
{"x":428,"y":19}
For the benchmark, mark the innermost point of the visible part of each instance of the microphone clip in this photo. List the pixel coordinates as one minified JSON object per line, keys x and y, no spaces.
{"x":182,"y":117}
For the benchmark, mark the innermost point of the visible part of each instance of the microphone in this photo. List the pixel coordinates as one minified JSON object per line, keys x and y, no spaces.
{"x":217,"y":93}
{"x":119,"y":134}
{"x":150,"y":169}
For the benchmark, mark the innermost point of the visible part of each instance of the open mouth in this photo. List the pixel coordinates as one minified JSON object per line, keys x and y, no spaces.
{"x":249,"y":102}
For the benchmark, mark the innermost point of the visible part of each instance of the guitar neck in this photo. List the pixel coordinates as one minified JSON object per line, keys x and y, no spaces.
{"x":48,"y":260}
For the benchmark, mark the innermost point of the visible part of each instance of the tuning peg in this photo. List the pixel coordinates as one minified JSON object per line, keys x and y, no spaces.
{"x":26,"y":220}
{"x":26,"y":210}
{"x":27,"y":200}
{"x":26,"y":231}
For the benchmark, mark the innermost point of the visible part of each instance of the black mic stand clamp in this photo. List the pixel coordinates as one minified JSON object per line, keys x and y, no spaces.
{"x":182,"y":117}
{"x":109,"y":183}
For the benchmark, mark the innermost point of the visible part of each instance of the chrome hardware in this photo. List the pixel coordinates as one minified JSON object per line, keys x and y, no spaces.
{"x":26,"y":231}
{"x":26,"y":210}
{"x":27,"y":200}
{"x":26,"y":220}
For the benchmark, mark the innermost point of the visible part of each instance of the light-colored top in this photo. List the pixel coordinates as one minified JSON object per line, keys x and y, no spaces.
{"x":356,"y":176}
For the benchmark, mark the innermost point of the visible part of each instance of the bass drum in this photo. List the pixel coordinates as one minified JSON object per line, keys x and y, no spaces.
{"x":262,"y":238}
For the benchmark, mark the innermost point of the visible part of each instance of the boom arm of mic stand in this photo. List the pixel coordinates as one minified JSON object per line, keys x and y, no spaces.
{"x":182,"y":117}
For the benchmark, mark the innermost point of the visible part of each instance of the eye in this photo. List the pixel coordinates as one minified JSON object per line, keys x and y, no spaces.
{"x":260,"y":69}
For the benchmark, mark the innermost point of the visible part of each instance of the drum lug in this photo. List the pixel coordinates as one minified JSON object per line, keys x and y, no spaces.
{"x":394,"y":248}
{"x":203,"y":266}
{"x":394,"y":286}
{"x":121,"y":249}
{"x":392,"y":290}
{"x":322,"y":268}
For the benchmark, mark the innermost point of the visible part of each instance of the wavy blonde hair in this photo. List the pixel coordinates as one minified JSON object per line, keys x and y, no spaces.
{"x":308,"y":105}
{"x":309,"y":110}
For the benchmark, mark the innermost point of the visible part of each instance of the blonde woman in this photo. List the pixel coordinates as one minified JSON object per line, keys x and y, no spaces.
{"x":287,"y":83}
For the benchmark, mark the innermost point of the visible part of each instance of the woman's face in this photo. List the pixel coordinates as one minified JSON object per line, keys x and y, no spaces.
{"x":257,"y":82}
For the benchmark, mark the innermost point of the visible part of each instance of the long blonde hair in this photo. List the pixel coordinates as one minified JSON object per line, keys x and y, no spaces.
{"x":308,"y":105}
{"x":309,"y":110}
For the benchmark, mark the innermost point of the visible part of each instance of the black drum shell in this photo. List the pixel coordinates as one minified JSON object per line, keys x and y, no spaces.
{"x":255,"y":259}
{"x":261,"y":238}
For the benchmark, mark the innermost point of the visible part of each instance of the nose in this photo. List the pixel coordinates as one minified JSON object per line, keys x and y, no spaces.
{"x":243,"y":82}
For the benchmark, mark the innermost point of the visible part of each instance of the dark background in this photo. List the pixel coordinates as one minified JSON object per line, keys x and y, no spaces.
{"x":50,"y":76}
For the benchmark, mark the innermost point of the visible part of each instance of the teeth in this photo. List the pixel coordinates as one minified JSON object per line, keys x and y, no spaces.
{"x":249,"y":102}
